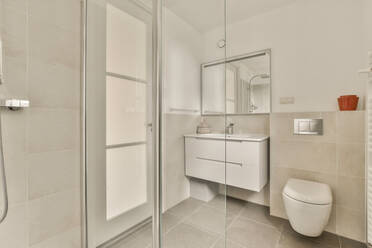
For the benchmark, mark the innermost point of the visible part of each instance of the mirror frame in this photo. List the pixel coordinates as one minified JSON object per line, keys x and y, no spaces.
{"x":232,"y":59}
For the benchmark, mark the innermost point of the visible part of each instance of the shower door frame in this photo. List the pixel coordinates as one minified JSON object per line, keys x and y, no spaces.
{"x":156,"y":122}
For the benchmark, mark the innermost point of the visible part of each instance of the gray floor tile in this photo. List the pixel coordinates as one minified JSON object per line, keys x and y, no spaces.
{"x":187,"y":236}
{"x":195,"y":224}
{"x":253,"y":234}
{"x":140,"y":239}
{"x":294,"y":240}
{"x":185,"y":208}
{"x":143,"y":237}
{"x":169,"y":221}
{"x":209,"y":218}
{"x":262,"y":214}
{"x":349,"y":243}
{"x":228,"y":244}
{"x":328,"y":239}
{"x":233,"y":206}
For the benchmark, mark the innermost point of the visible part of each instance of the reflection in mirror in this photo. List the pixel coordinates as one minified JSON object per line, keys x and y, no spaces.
{"x":247,"y":89}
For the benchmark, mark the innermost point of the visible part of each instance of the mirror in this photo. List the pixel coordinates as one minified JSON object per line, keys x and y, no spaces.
{"x":247,"y":89}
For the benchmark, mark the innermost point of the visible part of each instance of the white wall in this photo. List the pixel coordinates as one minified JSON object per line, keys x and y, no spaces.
{"x":317,"y":49}
{"x":183,"y":49}
{"x":367,"y":24}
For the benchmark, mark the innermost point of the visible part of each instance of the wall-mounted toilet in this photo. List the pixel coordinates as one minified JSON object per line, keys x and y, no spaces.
{"x":308,"y":206}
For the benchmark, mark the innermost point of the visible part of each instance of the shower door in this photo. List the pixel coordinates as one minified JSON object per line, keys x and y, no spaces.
{"x":119,"y":116}
{"x":194,"y":199}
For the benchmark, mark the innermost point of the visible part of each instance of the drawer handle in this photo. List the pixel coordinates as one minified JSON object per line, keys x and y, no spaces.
{"x":208,"y":159}
{"x":219,"y":161}
{"x":235,"y":163}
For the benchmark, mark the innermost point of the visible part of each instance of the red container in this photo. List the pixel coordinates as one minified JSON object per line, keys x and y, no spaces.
{"x":348,"y":103}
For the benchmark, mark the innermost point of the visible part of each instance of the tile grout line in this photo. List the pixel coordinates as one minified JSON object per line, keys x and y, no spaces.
{"x":235,"y":218}
{"x":258,"y":222}
{"x":182,"y":219}
{"x":280,"y":237}
{"x":215,"y":242}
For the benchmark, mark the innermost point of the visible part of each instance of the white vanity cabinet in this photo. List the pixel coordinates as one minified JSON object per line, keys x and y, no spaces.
{"x":246,"y":159}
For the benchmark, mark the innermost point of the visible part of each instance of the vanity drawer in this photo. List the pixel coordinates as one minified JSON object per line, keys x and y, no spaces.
{"x":243,"y":176}
{"x":205,"y":148}
{"x":206,"y":169}
{"x":242,"y":152}
{"x":246,"y":161}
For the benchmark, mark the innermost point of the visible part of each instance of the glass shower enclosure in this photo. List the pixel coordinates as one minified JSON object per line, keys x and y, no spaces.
{"x":142,"y":85}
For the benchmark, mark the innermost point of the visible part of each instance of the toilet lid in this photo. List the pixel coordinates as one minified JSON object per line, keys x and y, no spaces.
{"x":308,"y":191}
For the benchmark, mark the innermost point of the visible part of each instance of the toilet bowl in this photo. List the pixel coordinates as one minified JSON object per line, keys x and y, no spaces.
{"x":308,"y":206}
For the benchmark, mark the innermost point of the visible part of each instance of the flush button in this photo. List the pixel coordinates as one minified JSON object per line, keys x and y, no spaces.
{"x":316,"y":126}
{"x":304,"y":126}
{"x":308,"y":126}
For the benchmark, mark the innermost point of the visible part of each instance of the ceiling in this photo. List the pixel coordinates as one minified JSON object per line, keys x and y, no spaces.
{"x":205,"y":15}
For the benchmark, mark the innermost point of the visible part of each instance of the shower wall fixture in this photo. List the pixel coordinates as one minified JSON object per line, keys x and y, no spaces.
{"x":11,"y":104}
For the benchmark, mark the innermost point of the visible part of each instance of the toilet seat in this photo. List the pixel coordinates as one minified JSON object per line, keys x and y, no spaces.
{"x":308,"y":192}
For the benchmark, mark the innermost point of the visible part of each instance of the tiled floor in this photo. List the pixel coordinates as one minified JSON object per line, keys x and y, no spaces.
{"x":196,"y":224}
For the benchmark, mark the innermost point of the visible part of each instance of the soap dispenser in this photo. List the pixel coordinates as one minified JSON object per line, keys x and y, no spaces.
{"x":203,"y":127}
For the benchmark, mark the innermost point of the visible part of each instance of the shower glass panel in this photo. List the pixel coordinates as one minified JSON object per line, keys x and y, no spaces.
{"x":119,"y":116}
{"x":193,"y":167}
{"x":126,"y":172}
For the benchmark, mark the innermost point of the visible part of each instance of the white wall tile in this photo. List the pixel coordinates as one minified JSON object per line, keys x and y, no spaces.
{"x":68,"y":239}
{"x":53,"y":44}
{"x":350,"y":223}
{"x":351,"y":193}
{"x":14,"y":229}
{"x":52,"y":129}
{"x":63,"y":14}
{"x":53,"y":85}
{"x":310,"y":156}
{"x":16,"y":176}
{"x":351,"y":159}
{"x":53,"y":214}
{"x":53,"y":171}
{"x":18,"y":5}
{"x":15,"y":78}
{"x":14,"y":127}
{"x":13,"y":22}
{"x":350,"y":126}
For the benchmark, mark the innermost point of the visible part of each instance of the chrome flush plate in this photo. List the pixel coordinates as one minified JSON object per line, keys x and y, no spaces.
{"x":308,"y":126}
